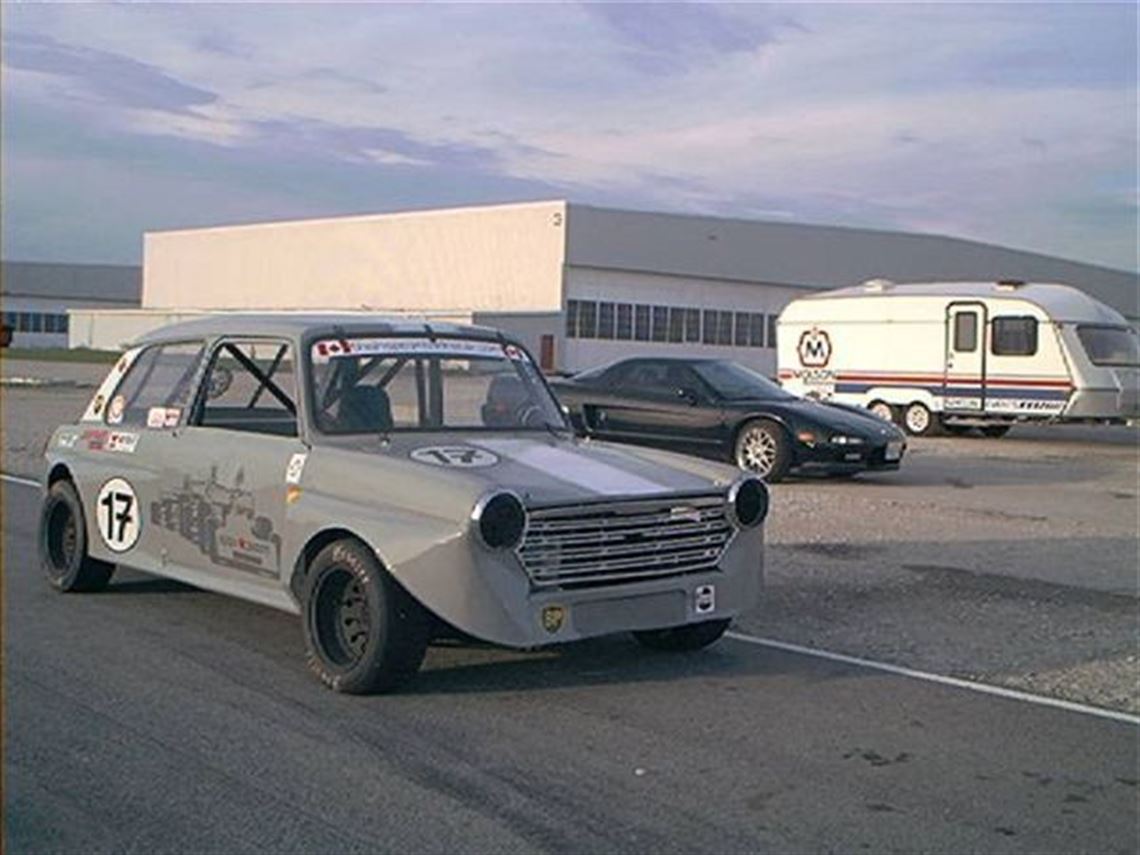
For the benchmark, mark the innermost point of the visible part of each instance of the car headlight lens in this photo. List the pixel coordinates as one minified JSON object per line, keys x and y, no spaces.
{"x":748,"y":502}
{"x":499,"y":520}
{"x":840,"y":439}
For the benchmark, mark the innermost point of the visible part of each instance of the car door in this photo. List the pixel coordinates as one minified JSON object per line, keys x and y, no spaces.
{"x":660,"y":402}
{"x":224,"y":488}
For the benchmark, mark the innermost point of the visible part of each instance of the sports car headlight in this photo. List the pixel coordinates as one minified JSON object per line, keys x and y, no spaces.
{"x":499,"y":520}
{"x":840,"y":439}
{"x":748,"y":502}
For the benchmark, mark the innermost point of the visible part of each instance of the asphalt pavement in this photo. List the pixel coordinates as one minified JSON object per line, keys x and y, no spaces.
{"x":158,"y":718}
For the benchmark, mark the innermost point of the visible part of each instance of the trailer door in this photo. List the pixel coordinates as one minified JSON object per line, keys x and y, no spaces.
{"x":964,"y":377}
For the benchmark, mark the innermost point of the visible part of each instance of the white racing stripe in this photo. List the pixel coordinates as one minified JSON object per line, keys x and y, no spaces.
{"x":955,"y":682}
{"x":17,"y":479}
{"x":576,"y":469}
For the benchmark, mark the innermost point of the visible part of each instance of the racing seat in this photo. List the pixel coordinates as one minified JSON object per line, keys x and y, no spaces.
{"x":364,"y":409}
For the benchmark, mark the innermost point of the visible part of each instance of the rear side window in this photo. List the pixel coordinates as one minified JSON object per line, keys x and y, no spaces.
{"x":161,"y":377}
{"x":966,"y":332}
{"x":1014,"y":336}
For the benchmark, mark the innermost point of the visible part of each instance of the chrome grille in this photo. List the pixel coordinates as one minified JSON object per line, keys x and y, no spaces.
{"x":580,"y":545}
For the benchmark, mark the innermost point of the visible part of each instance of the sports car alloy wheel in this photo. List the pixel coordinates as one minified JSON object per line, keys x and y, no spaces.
{"x":762,"y":447}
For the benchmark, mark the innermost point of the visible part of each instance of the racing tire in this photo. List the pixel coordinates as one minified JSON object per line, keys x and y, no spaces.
{"x":919,"y":421}
{"x":364,"y":633}
{"x":679,"y":639}
{"x":63,"y":544}
{"x":762,"y":447}
{"x":995,"y":431}
{"x":884,"y":411}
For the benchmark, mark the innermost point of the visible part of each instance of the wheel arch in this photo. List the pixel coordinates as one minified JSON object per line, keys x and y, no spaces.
{"x":316,"y":542}
{"x":60,"y":472}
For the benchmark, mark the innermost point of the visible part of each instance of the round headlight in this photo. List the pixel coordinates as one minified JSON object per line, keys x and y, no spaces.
{"x":748,"y":501}
{"x":499,"y":520}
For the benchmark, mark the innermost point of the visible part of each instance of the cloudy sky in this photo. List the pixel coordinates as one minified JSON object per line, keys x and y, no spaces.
{"x":1010,"y":123}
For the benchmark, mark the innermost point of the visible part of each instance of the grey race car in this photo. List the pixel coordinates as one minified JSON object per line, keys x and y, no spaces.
{"x":387,"y":481}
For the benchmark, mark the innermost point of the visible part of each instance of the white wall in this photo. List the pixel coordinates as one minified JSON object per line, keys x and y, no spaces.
{"x":584,"y":283}
{"x":497,"y":258}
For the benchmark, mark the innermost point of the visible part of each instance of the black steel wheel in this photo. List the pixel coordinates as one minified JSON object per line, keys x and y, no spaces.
{"x":678,"y":639}
{"x":63,"y":543}
{"x":363,"y":632}
{"x":763,"y":448}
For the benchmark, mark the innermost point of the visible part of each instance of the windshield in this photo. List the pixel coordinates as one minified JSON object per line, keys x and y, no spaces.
{"x":384,"y":384}
{"x":733,"y":381}
{"x":1109,"y":345}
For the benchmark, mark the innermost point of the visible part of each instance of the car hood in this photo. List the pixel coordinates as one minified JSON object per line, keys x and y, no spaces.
{"x":542,"y":468}
{"x":836,"y":418}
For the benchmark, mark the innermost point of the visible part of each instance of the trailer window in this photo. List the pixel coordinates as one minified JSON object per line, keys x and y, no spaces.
{"x":1014,"y":336}
{"x":966,"y":332}
{"x":1109,"y":345}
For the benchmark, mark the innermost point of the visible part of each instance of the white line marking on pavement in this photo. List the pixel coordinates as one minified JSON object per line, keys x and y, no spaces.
{"x":17,"y":479}
{"x":969,"y":685}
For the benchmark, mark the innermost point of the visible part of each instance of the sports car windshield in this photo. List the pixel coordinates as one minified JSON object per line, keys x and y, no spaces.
{"x":383,"y":384}
{"x":733,"y":382}
{"x":1109,"y":345}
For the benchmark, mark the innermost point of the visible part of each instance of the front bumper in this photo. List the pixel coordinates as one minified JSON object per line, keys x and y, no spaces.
{"x":848,"y":458}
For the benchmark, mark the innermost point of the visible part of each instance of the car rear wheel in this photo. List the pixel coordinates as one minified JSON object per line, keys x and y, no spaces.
{"x":919,"y":421}
{"x":63,"y":543}
{"x":995,"y":431}
{"x":763,"y":448}
{"x":363,"y":632}
{"x":677,"y":639}
{"x":884,"y":411}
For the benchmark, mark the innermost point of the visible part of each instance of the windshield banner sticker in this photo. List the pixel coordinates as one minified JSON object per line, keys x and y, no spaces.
{"x":462,"y":456}
{"x":331,"y":348}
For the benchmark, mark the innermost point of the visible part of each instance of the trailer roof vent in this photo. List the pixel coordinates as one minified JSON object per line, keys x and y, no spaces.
{"x":878,"y":285}
{"x":1010,"y":284}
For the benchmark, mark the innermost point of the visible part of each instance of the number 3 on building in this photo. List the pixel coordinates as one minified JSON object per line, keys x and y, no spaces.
{"x":117,"y":513}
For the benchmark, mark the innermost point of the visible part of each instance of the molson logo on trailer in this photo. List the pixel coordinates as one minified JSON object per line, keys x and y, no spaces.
{"x":814,"y":348}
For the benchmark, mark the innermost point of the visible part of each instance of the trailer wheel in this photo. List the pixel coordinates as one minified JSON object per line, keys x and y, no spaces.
{"x":363,"y":632}
{"x":919,"y":421}
{"x":995,"y":431}
{"x":884,"y":411}
{"x":63,"y":543}
{"x":762,"y":447}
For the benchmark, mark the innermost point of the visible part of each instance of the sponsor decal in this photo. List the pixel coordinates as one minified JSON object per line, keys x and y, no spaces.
{"x":115,"y":411}
{"x":117,"y":515}
{"x":461,"y":456}
{"x":814,"y":348}
{"x":704,"y":599}
{"x":553,"y":617}
{"x":163,"y":417}
{"x":292,"y":494}
{"x":122,"y":442}
{"x":685,"y":513}
{"x":97,"y":404}
{"x":513,"y":352}
{"x":67,"y":440}
{"x":326,"y":349}
{"x":295,"y":468}
{"x":95,"y":439}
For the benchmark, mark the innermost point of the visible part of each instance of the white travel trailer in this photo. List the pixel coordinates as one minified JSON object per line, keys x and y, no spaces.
{"x":951,"y":356}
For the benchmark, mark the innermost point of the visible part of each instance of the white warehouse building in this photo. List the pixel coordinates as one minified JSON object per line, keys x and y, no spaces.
{"x":579,"y":285}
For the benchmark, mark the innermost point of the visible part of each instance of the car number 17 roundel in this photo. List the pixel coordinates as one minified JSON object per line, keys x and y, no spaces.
{"x":117,"y":515}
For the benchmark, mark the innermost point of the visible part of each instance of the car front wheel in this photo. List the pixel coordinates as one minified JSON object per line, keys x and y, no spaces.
{"x":63,"y":543}
{"x":678,"y":639}
{"x":363,"y":632}
{"x":763,"y":448}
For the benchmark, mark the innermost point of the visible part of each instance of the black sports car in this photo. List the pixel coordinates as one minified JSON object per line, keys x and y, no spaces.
{"x":718,"y":408}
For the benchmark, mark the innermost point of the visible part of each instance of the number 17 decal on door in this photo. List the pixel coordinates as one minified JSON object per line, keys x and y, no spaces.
{"x":117,"y":513}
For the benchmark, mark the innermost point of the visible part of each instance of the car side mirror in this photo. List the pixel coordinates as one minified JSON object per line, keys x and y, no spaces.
{"x":689,"y":396}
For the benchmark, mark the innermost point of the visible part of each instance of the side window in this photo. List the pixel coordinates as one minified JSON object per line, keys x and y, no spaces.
{"x":251,"y":386}
{"x":1014,"y":336}
{"x":966,"y":332}
{"x":162,"y":376}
